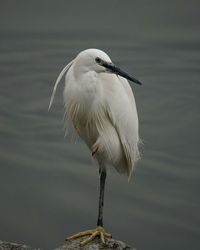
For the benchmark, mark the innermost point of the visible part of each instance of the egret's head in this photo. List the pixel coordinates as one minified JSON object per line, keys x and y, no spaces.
{"x":91,"y":60}
{"x":98,"y":61}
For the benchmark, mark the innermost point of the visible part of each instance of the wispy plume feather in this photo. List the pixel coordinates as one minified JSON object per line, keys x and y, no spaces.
{"x":66,"y":68}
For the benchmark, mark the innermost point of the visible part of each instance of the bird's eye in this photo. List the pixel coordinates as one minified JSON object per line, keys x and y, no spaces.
{"x":98,"y":60}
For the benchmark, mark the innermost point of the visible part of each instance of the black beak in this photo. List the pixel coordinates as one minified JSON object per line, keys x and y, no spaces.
{"x":113,"y":69}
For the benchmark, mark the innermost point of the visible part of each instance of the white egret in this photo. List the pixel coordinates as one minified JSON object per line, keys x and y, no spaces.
{"x":100,"y":104}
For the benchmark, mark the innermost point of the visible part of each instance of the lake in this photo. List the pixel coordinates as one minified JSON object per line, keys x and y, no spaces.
{"x":48,"y":185}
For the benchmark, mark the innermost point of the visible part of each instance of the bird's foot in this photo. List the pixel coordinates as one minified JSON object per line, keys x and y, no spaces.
{"x":97,"y":232}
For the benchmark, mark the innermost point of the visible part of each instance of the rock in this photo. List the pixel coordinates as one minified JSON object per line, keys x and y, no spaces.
{"x":13,"y":246}
{"x":73,"y":245}
{"x":95,"y":245}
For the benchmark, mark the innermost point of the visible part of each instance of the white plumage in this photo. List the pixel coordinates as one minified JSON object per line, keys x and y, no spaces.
{"x":102,"y":109}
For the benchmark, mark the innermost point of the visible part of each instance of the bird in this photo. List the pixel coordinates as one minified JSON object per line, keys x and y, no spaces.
{"x":100,"y":105}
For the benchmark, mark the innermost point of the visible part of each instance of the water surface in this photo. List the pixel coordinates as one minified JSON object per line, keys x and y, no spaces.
{"x":48,"y":186}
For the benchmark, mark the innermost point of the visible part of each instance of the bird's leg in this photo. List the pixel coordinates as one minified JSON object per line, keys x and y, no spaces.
{"x":94,"y":149}
{"x":102,"y":172}
{"x":99,"y":231}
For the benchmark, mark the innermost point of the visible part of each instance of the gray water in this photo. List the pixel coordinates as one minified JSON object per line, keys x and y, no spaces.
{"x":48,"y":186}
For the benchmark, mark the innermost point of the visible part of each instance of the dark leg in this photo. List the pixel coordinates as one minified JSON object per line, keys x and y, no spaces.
{"x":101,"y":196}
{"x":99,"y":231}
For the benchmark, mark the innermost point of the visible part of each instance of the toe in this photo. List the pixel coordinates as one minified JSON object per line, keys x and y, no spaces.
{"x":102,"y":238}
{"x":80,"y":234}
{"x":84,"y":242}
{"x":108,"y":235}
